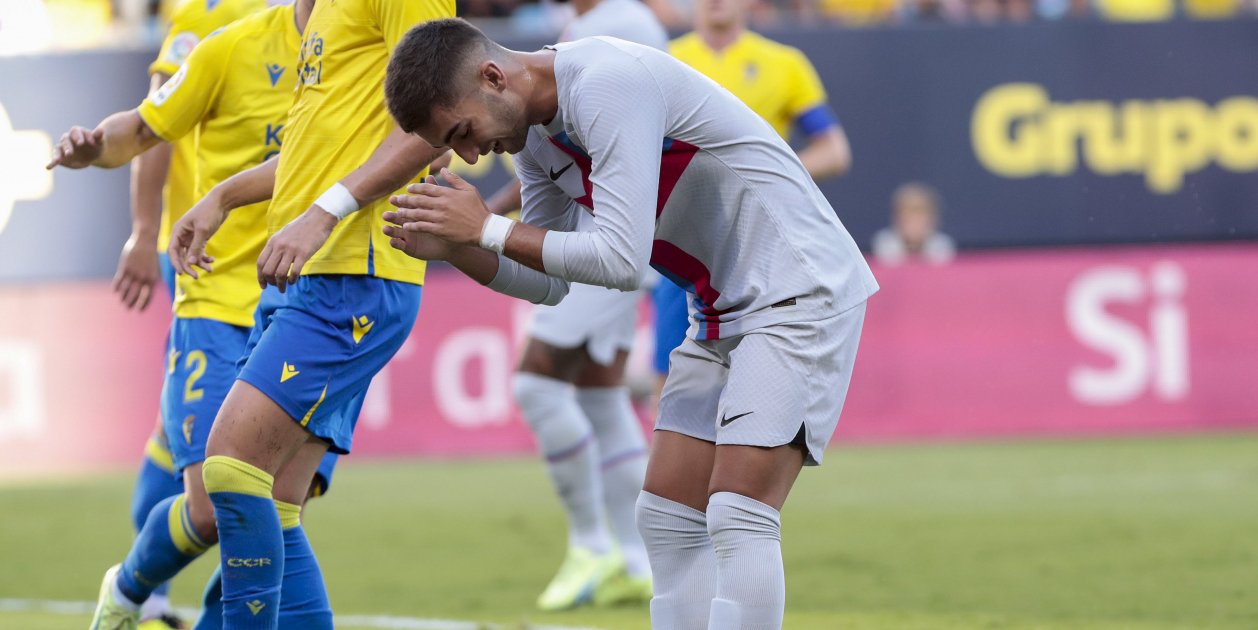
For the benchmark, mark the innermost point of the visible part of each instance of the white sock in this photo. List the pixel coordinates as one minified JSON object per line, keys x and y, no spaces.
{"x":567,"y":442}
{"x":751,"y":585}
{"x":123,"y":600}
{"x":623,"y":467}
{"x":682,"y":563}
{"x":155,"y":606}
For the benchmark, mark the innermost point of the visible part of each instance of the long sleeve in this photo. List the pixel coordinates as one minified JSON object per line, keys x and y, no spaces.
{"x":619,"y":116}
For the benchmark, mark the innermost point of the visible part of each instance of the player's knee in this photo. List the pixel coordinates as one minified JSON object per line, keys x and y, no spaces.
{"x":228,"y":474}
{"x":734,"y":518}
{"x":538,"y":395}
{"x":665,"y":523}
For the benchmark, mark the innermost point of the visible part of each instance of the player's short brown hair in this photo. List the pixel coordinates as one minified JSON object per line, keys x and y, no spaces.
{"x":424,"y":71}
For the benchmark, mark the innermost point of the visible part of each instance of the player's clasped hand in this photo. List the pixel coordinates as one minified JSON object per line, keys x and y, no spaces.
{"x":77,"y":148}
{"x":282,"y":259}
{"x":454,"y":213}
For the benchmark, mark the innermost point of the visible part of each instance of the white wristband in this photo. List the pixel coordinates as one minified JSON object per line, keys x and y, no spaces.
{"x":337,"y":201}
{"x":493,"y":235}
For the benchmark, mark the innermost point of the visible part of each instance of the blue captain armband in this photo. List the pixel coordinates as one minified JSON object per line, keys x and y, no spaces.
{"x":816,"y":120}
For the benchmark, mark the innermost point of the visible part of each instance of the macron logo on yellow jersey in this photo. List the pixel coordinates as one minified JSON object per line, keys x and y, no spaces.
{"x":288,"y":372}
{"x":362,"y":326}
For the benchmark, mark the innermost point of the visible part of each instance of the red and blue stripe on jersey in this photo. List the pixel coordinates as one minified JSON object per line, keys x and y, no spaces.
{"x":684,"y":270}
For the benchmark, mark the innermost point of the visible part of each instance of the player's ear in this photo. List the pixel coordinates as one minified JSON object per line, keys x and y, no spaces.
{"x":491,"y":73}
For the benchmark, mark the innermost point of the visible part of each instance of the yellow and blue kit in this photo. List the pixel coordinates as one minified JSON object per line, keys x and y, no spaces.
{"x":191,"y":22}
{"x":777,"y":82}
{"x":232,"y":95}
{"x":317,"y":346}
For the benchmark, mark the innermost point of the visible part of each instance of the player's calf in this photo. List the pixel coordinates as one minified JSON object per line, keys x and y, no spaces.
{"x":751,"y":588}
{"x":682,"y":562}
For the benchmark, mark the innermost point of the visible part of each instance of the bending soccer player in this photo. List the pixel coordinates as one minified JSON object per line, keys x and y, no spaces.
{"x":214,"y":312}
{"x":680,"y":175}
{"x":777,"y":82}
{"x":342,"y":300}
{"x":570,"y":387}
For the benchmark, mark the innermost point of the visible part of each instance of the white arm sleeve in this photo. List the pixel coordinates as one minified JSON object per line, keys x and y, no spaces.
{"x":619,"y":114}
{"x":545,"y":205}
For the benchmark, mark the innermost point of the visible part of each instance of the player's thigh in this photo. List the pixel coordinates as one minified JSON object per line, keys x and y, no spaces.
{"x":591,"y":373}
{"x":679,"y":469}
{"x":320,"y":349}
{"x":765,"y":474}
{"x":292,"y":484}
{"x":683,"y":449}
{"x":544,"y":359}
{"x":254,"y":429}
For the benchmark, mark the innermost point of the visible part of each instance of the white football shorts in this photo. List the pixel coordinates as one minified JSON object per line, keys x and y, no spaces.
{"x":772,"y":386}
{"x":604,"y":320}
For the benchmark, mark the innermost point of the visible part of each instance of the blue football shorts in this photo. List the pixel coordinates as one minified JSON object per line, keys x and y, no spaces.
{"x":315,"y":349}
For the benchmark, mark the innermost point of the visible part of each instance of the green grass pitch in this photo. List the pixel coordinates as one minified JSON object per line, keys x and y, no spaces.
{"x":1101,"y":534}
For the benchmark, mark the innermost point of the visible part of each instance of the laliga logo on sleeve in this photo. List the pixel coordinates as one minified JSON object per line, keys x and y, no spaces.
{"x":22,"y":177}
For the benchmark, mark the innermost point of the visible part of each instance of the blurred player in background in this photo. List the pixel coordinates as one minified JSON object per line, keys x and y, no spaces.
{"x":231,"y":96}
{"x":162,"y":178}
{"x":570,"y":387}
{"x":686,"y":178}
{"x":342,"y":301}
{"x":777,"y":82}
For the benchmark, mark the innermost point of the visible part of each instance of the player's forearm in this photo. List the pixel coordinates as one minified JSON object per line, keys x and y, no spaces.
{"x":827,"y":154}
{"x":148,"y":176}
{"x":126,"y":136}
{"x":250,"y":186}
{"x":394,"y":163}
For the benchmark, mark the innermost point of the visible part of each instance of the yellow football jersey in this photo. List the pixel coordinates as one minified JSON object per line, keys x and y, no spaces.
{"x":234,"y":92}
{"x":191,"y":22}
{"x":775,"y":80}
{"x":338,"y":120}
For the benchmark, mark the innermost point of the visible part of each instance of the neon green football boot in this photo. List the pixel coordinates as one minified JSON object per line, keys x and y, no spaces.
{"x":110,"y":615}
{"x":622,"y":589}
{"x":580,"y":575}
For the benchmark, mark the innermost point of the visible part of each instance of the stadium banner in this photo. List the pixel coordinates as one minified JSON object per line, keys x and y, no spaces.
{"x":1059,"y":343}
{"x":1029,"y":140}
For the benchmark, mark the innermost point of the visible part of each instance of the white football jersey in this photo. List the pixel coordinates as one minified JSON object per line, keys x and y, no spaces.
{"x":677,"y":172}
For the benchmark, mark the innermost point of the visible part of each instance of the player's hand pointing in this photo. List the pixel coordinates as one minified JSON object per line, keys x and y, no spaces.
{"x":190,"y":234}
{"x":77,"y":148}
{"x":286,"y":253}
{"x":454,"y":213}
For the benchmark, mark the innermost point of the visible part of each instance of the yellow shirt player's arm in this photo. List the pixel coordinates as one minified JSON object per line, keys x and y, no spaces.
{"x":250,"y":186}
{"x":394,"y":163}
{"x":400,"y":157}
{"x":826,"y":152}
{"x":192,"y":93}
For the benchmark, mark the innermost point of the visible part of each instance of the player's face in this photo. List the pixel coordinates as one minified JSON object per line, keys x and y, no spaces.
{"x":721,"y":13}
{"x":486,"y":120}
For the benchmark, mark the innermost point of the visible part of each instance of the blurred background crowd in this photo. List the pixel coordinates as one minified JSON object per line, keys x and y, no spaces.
{"x":28,"y":25}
